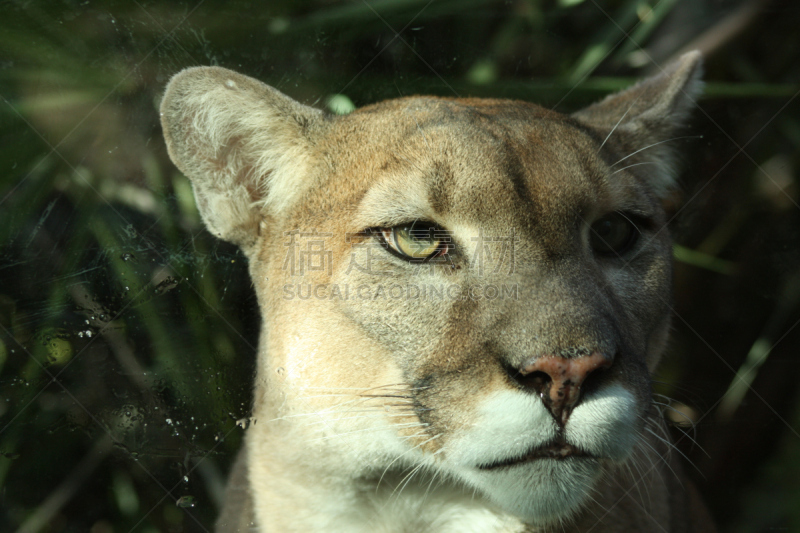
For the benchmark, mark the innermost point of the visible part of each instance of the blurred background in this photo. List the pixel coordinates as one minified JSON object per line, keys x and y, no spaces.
{"x":128,"y":333}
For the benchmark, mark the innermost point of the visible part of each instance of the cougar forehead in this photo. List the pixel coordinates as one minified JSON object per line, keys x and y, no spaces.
{"x":473,"y":162}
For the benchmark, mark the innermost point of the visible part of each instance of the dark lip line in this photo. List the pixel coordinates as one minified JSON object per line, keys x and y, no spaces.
{"x":558,"y":450}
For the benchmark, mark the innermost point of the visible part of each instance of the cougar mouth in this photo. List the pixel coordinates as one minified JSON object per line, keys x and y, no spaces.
{"x":555,"y":450}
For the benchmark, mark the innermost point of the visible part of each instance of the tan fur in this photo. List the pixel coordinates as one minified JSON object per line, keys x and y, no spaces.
{"x":388,"y":395}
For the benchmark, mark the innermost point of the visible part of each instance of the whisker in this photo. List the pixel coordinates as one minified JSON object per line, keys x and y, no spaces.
{"x":663,"y":460}
{"x":399,"y":387}
{"x":639,"y":466}
{"x":338,"y":419}
{"x":338,"y":435}
{"x":328,"y":395}
{"x":618,"y":123}
{"x":327,"y":410}
{"x":404,"y":396}
{"x":644,"y":506}
{"x":385,"y":470}
{"x":635,"y":226}
{"x":692,"y":437}
{"x":673,"y":447}
{"x":634,"y":165}
{"x":405,"y":481}
{"x":655,"y":144}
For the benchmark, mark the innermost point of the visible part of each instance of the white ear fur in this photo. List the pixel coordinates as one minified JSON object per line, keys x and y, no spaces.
{"x":245,"y":146}
{"x":646,"y":116}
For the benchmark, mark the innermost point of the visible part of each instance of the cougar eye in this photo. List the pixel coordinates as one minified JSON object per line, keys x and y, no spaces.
{"x":419,"y":240}
{"x":613,"y":234}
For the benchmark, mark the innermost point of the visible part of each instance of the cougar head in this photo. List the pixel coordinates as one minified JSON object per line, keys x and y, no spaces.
{"x":475,"y":289}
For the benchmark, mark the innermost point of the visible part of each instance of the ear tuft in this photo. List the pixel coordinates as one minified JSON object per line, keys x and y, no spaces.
{"x":637,"y":123}
{"x":245,"y":146}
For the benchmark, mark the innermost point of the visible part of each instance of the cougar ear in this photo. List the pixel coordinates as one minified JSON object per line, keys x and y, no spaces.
{"x":247,"y":148}
{"x":638,"y":122}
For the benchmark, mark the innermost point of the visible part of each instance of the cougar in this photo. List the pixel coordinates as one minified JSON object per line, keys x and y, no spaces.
{"x":463,"y":302}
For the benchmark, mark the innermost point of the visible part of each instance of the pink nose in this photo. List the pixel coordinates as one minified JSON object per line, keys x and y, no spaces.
{"x":558,"y":380}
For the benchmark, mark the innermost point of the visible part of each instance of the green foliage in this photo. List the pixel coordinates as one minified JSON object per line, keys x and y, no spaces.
{"x":128,"y":333}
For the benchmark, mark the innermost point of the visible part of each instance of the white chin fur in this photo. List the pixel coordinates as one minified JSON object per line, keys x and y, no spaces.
{"x":510,"y":423}
{"x":540,"y":492}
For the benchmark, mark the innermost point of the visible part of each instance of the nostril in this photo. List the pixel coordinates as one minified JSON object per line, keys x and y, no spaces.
{"x":559,"y":380}
{"x":593,"y":379}
{"x":537,"y":380}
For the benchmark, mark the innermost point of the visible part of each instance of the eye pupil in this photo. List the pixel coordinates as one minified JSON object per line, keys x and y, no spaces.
{"x":603,"y":229}
{"x":612,"y":234}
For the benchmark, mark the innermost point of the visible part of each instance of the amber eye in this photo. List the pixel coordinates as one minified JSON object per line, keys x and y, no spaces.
{"x":613,"y":234}
{"x":419,"y":240}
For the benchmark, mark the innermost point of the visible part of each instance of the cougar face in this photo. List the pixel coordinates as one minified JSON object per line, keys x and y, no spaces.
{"x":460,"y":294}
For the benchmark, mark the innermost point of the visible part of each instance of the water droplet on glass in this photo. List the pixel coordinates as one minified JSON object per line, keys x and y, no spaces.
{"x":185,"y":501}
